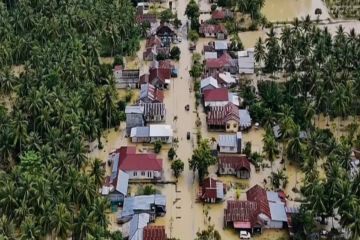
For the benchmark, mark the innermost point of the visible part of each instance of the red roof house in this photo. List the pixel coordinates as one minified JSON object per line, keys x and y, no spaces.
{"x":213,"y":30}
{"x":221,"y":14}
{"x":154,"y":233}
{"x":223,"y":118}
{"x":237,"y":165}
{"x":139,"y":165}
{"x":212,"y":190}
{"x":150,"y":94}
{"x":225,"y":63}
{"x":157,"y":77}
{"x":216,"y":95}
{"x":262,"y":209}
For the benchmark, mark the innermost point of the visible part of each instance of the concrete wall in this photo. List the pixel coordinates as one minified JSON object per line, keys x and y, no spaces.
{"x":146,"y":175}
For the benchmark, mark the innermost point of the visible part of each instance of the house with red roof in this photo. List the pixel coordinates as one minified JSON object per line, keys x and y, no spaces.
{"x":153,"y":47}
{"x":237,"y":165}
{"x":262,"y":209}
{"x":212,"y":190}
{"x":154,"y":233}
{"x":150,"y":94}
{"x":225,"y":63}
{"x":159,"y":77}
{"x":220,"y":118}
{"x":216,"y":97}
{"x":217,"y":31}
{"x":221,"y":14}
{"x":139,"y":165}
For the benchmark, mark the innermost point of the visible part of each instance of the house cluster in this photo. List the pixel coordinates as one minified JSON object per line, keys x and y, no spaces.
{"x":221,"y":104}
{"x":137,"y":211}
{"x":262,"y":209}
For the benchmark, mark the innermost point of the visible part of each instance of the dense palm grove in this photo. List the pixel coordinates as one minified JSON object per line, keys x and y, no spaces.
{"x":63,"y":99}
{"x":310,"y":73}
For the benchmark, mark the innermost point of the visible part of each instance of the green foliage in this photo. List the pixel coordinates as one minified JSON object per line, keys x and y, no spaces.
{"x":177,"y":23}
{"x":64,"y":97}
{"x":129,"y":95}
{"x":196,"y":70}
{"x":270,"y":148}
{"x":192,"y":10}
{"x":171,"y":153}
{"x":208,"y":234}
{"x":193,"y":36}
{"x":177,"y":167}
{"x":119,"y":60}
{"x":247,"y":149}
{"x":251,"y":7}
{"x":279,"y":179}
{"x":166,"y":15}
{"x":175,"y":53}
{"x":201,"y":159}
{"x":30,"y":162}
{"x":213,"y":7}
{"x":157,"y":146}
{"x":161,"y":56}
{"x":147,"y":190}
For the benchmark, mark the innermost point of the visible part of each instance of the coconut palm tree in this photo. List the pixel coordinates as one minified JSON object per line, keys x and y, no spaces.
{"x":61,"y":221}
{"x":97,"y":172}
{"x":270,"y":148}
{"x":295,"y":146}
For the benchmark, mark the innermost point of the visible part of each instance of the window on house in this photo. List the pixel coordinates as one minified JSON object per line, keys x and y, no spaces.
{"x":149,"y":174}
{"x":227,"y":126}
{"x":135,"y":174}
{"x":235,"y":125}
{"x":142,"y":173}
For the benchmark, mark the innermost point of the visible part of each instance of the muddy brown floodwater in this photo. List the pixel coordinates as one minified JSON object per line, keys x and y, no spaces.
{"x":184,"y":215}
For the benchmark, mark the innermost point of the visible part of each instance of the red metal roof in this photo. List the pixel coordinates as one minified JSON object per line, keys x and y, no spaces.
{"x":218,"y":116}
{"x":242,"y":211}
{"x":153,"y":41}
{"x":154,"y":233}
{"x":258,"y":194}
{"x":209,"y":188}
{"x":212,"y":28}
{"x":154,"y":94}
{"x":217,"y":94}
{"x":235,"y":162}
{"x":218,"y":14}
{"x":130,"y":160}
{"x":159,"y":73}
{"x":220,"y":62}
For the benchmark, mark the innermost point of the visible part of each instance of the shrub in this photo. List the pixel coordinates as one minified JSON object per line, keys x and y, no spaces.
{"x":177,"y":166}
{"x":171,"y":153}
{"x":213,"y":7}
{"x":175,"y":53}
{"x":157,"y":146}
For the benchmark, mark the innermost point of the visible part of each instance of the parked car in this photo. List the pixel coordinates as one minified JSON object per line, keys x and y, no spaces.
{"x":188,"y":135}
{"x":245,"y":235}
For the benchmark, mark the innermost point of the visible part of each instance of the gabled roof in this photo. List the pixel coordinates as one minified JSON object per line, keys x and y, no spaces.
{"x":212,"y":28}
{"x":162,"y":64}
{"x":218,"y":14}
{"x":153,"y":109}
{"x":212,"y":188}
{"x":245,"y":119}
{"x":258,"y":194}
{"x":215,"y":95}
{"x":130,"y":161}
{"x":154,"y":233}
{"x":153,"y":41}
{"x":220,"y":115}
{"x":244,"y":212}
{"x":208,"y":81}
{"x":134,"y":110}
{"x":159,"y":73}
{"x":235,"y":162}
{"x":229,"y":140}
{"x":151,"y":93}
{"x":220,"y":62}
{"x":221,"y":45}
{"x":225,"y":77}
{"x":141,"y":203}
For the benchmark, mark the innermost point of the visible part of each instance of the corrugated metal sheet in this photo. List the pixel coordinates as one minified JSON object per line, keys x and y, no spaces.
{"x":277,"y":211}
{"x":228,"y":140}
{"x":245,"y":119}
{"x":140,"y":132}
{"x":122,"y":182}
{"x":134,"y":109}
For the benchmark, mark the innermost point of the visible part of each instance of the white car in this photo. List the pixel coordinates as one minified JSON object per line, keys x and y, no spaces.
{"x":245,"y":235}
